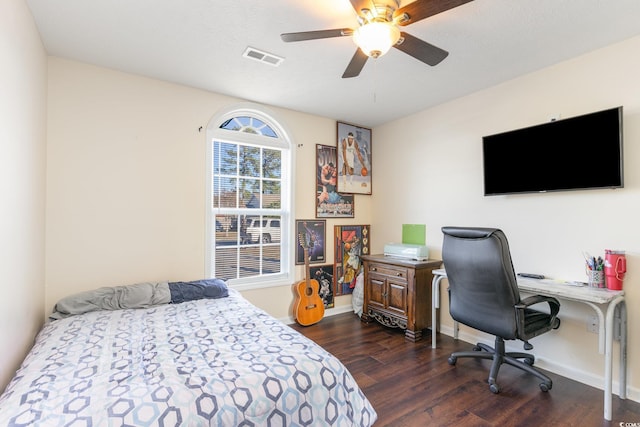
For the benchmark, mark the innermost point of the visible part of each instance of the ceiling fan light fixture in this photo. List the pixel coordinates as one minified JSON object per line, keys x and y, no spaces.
{"x":376,"y":38}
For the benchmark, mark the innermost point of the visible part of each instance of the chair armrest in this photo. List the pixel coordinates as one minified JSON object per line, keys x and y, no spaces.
{"x":554,"y":304}
{"x":554,"y":308}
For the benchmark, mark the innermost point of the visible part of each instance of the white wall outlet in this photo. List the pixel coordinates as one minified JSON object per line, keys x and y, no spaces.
{"x":593,"y":324}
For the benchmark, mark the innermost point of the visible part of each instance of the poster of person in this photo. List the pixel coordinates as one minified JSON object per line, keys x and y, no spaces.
{"x":352,"y":241}
{"x":324,"y":275}
{"x":330,"y":203}
{"x":311,"y":234}
{"x":354,"y":159}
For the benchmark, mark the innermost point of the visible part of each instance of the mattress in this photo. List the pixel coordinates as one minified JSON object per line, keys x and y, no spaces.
{"x":207,"y":362}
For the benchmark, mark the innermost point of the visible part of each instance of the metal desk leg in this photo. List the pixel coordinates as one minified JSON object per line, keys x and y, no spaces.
{"x":435,"y":305}
{"x":608,"y":360}
{"x":622,"y":311}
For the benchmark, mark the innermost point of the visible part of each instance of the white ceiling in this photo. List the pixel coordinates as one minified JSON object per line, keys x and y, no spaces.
{"x":199,"y":43}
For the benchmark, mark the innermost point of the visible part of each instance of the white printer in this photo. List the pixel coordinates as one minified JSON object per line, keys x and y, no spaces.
{"x":407,"y":251}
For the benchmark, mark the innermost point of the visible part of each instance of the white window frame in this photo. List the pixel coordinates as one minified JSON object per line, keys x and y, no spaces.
{"x":283,"y":142}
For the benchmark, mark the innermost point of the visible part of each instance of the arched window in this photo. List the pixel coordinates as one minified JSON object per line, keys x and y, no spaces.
{"x":249,"y":198}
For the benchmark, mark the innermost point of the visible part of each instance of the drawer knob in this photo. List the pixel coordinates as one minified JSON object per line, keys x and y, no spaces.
{"x":399,"y":274}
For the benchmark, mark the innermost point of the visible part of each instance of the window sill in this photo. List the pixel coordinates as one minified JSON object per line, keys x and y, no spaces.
{"x":258,"y":283}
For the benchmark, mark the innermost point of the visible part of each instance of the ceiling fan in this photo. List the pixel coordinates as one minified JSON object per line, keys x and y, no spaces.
{"x":378,"y":31}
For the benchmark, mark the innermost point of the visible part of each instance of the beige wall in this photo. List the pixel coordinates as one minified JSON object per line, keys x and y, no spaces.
{"x":23,"y":78}
{"x":126,"y":181}
{"x":440,"y":154}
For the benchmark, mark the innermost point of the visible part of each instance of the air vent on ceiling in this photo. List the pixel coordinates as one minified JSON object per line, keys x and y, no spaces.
{"x":261,"y":56}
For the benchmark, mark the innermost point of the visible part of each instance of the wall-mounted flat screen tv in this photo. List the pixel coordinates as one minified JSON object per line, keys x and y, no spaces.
{"x":583,"y":152}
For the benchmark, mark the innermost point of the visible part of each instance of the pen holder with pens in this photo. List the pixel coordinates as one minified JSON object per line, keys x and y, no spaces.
{"x":595,"y":278}
{"x":595,"y":271}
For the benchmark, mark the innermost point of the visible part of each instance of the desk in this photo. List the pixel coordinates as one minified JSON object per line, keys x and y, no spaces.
{"x":595,"y":298}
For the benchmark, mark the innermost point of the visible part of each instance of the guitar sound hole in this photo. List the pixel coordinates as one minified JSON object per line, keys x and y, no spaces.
{"x":308,"y":291}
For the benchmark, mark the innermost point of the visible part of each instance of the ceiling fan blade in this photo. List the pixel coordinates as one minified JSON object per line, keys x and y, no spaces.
{"x":421,"y":50}
{"x":356,"y":65}
{"x":313,"y":35}
{"x":421,"y":9}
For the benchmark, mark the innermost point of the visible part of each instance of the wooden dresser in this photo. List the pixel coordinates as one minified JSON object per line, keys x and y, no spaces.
{"x":397,"y":293}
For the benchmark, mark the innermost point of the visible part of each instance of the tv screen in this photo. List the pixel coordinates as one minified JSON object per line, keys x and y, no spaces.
{"x":583,"y":152}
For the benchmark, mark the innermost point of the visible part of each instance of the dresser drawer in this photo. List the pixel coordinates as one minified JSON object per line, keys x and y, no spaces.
{"x":391,"y":271}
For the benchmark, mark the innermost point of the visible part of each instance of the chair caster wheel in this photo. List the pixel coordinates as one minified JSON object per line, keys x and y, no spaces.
{"x":495,"y":389}
{"x":545,"y":387}
{"x":452,"y":360}
{"x":477,"y":348}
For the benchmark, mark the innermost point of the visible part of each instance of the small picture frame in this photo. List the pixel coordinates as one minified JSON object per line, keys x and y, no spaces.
{"x":312,"y":234}
{"x":325,"y":277}
{"x":352,"y":241}
{"x":354,"y":159}
{"x":330,"y":203}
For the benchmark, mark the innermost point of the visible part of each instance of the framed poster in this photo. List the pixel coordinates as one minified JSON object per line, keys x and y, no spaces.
{"x":354,"y":159}
{"x":352,"y":241}
{"x":330,"y":203}
{"x":311,"y":233}
{"x":324,"y":275}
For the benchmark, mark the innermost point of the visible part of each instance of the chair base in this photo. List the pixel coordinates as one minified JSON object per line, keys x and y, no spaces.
{"x":499,"y":356}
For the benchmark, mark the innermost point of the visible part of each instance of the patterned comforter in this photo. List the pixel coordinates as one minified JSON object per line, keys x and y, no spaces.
{"x":209,"y":362}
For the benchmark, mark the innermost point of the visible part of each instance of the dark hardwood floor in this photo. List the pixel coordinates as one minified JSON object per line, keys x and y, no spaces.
{"x":411,"y":384}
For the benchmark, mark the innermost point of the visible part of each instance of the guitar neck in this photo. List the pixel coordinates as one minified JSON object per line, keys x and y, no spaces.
{"x":307,"y":269}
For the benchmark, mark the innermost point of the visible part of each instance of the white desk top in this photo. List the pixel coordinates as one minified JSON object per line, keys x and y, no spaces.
{"x":560,"y":289}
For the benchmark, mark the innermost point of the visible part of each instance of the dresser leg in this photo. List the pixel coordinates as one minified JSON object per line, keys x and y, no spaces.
{"x":413,"y":336}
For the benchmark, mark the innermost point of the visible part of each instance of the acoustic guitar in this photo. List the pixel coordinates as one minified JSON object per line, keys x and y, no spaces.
{"x":308,"y":306}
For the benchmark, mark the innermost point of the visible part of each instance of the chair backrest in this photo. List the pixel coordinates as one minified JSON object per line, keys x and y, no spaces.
{"x":482,"y":283}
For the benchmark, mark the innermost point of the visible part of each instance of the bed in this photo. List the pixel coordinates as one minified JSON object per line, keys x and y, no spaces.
{"x":207,"y":361}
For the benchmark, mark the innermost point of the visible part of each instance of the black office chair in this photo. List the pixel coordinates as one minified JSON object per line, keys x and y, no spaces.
{"x":484,"y":295}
